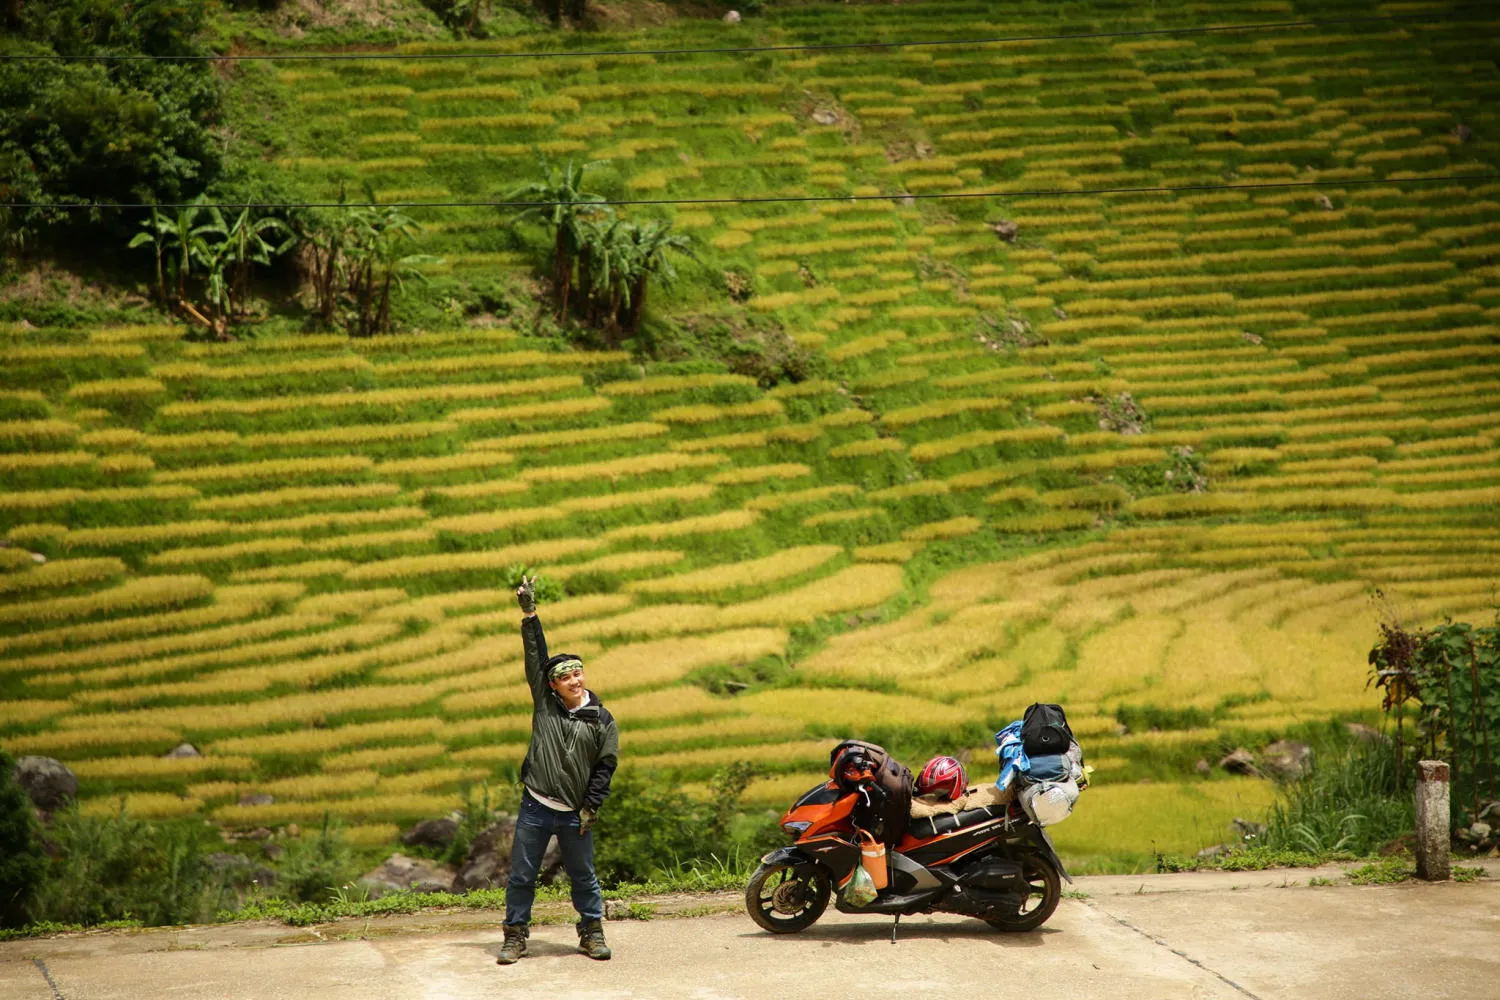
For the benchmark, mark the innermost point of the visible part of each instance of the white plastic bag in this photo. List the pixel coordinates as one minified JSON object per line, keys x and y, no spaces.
{"x":1049,"y":802}
{"x":861,"y":888}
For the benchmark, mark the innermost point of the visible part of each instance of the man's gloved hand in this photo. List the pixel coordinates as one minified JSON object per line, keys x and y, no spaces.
{"x":586,"y":817}
{"x":526,"y":595}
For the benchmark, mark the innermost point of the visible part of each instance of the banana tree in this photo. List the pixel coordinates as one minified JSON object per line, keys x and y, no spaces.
{"x":249,"y":241}
{"x":181,"y":241}
{"x":608,"y":262}
{"x":380,"y":262}
{"x":654,"y":242}
{"x":564,"y":206}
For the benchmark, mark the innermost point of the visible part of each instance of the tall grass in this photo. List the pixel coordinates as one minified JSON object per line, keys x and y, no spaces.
{"x":1347,"y":802}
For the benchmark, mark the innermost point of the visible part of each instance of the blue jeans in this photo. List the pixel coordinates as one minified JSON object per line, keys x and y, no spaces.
{"x":535,"y":826}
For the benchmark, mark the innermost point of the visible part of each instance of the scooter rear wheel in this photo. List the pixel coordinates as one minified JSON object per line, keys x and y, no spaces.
{"x":784,"y":901}
{"x":1046,"y":892}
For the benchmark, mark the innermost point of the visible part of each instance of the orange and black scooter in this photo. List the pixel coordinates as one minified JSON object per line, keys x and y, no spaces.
{"x":990,"y":862}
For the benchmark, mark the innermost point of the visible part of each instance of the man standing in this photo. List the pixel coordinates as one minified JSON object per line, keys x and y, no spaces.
{"x":575,"y":747}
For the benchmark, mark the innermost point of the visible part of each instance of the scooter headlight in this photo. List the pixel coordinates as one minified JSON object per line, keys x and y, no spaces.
{"x":796,"y":827}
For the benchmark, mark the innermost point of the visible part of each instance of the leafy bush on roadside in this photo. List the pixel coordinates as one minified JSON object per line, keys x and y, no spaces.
{"x":649,"y":828}
{"x":1347,"y":802}
{"x":315,"y":867}
{"x":117,"y":867}
{"x":23,"y":865}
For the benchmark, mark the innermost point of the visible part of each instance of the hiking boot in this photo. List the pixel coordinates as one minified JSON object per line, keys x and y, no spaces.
{"x":591,"y":940}
{"x":514,"y":947}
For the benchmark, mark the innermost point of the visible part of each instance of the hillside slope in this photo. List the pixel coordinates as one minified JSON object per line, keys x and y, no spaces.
{"x":1147,"y":459}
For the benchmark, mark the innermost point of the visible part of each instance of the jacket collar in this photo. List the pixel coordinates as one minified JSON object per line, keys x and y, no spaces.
{"x":589,"y":712}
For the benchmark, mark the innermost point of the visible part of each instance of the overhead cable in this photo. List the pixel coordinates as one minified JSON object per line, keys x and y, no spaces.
{"x":898,"y":196}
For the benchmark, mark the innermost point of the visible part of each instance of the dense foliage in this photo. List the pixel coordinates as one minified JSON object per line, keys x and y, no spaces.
{"x":22,"y":863}
{"x":1449,"y":675}
{"x":74,"y":132}
{"x":118,"y":867}
{"x":1348,"y":801}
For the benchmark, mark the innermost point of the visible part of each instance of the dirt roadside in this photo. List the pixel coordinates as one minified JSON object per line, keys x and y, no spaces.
{"x":1195,"y":935}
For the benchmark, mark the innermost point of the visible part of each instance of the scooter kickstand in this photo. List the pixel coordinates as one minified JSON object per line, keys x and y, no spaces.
{"x":893,"y":928}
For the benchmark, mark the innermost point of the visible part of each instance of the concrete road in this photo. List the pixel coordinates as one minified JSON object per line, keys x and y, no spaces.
{"x":1203,"y":935}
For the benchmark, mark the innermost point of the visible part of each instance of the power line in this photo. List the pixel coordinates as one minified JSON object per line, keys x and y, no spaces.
{"x":747,"y":49}
{"x":772,"y":199}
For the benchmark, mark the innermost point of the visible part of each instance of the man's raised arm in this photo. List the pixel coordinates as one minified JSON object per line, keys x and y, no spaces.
{"x":532,"y":638}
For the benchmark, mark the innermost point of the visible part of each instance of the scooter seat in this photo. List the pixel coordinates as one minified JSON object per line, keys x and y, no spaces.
{"x":935,"y":826}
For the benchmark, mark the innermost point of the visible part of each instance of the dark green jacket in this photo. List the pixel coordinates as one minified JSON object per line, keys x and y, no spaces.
{"x":573,"y":755}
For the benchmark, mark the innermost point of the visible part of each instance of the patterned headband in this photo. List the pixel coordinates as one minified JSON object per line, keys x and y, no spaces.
{"x":564,"y":668}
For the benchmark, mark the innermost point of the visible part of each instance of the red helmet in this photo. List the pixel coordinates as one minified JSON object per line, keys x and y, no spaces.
{"x":943,"y":775}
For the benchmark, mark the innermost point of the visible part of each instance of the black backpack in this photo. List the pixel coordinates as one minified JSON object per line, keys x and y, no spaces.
{"x":1044,"y":730}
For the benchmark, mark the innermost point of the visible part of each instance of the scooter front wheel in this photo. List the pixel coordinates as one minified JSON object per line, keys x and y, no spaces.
{"x":784,"y":900}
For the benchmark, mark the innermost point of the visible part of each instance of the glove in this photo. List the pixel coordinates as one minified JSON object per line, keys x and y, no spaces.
{"x":526,"y":595}
{"x":586,"y":817}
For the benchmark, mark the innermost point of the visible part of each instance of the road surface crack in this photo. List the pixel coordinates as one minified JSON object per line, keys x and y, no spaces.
{"x":1176,"y":951}
{"x":42,"y":968}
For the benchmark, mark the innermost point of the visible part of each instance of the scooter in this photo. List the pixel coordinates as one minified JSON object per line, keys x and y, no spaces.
{"x":990,"y":862}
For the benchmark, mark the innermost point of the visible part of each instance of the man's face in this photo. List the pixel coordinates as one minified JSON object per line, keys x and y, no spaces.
{"x":569,"y":687}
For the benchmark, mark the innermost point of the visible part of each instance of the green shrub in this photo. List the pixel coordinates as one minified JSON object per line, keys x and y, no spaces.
{"x":1347,"y":802}
{"x":22,"y":862}
{"x":78,"y":132}
{"x":117,"y":867}
{"x":315,"y":868}
{"x":650,"y":829}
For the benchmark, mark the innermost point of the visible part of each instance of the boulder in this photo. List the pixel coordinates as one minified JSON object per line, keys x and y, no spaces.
{"x":181,"y":751}
{"x":258,"y":799}
{"x":1006,"y":230}
{"x":1286,"y":759}
{"x":1239,"y":761}
{"x":732,"y":17}
{"x":47,"y":781}
{"x":431,"y":833}
{"x":488,"y":863}
{"x":1216,"y":851}
{"x":399,"y":872}
{"x":1202,"y":767}
{"x":823,"y":116}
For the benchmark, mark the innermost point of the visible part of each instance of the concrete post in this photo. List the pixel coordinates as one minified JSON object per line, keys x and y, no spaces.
{"x":1433,"y":833}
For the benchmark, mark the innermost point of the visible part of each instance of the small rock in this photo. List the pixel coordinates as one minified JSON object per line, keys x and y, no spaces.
{"x":400,"y":872}
{"x":431,"y":833}
{"x":1325,"y":203}
{"x":181,"y":751}
{"x":293,"y":830}
{"x":825,"y":117}
{"x":259,"y":833}
{"x":1247,"y":829}
{"x":1059,"y":312}
{"x":47,"y":781}
{"x":1006,"y":230}
{"x":1252,"y":338}
{"x":1462,"y":132}
{"x":257,"y":799}
{"x":272,"y":850}
{"x":1287,"y":759}
{"x":1240,"y":761}
{"x":907,"y":201}
{"x":1480,"y":831}
{"x":1202,"y":767}
{"x":733,"y":17}
{"x":1364,"y":733}
{"x":38,"y":558}
{"x":1217,"y":850}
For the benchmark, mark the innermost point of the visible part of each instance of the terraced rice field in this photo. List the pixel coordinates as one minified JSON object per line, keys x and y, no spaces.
{"x":293,"y":551}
